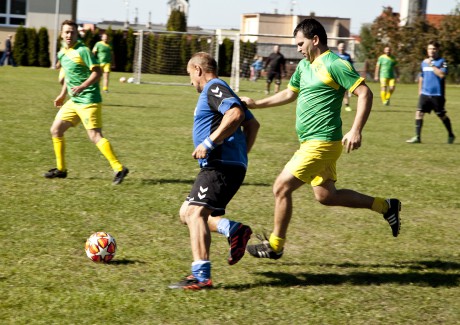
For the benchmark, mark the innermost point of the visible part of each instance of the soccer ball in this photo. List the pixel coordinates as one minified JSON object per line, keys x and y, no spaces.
{"x":130,"y":80}
{"x":122,"y":79}
{"x":101,"y":247}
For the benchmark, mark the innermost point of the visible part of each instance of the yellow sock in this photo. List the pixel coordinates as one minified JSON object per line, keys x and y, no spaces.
{"x":383,"y":96}
{"x":380,"y":205}
{"x":276,"y":243}
{"x":106,"y":149}
{"x":388,"y":95}
{"x":59,"y":150}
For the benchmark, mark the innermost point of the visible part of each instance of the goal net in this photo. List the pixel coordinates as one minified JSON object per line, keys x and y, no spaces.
{"x":159,"y":57}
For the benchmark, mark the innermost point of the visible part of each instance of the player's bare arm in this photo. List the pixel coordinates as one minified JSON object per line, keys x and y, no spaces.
{"x":59,"y":101}
{"x":285,"y":96}
{"x":250,"y":130}
{"x":230,"y":122}
{"x":352,"y":139}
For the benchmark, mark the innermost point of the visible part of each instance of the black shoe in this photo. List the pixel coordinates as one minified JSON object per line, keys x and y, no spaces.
{"x":238,"y":242}
{"x":392,"y":215}
{"x":191,"y":283}
{"x":263,"y":250}
{"x":55,"y":173}
{"x":451,"y":139}
{"x":120,"y":176}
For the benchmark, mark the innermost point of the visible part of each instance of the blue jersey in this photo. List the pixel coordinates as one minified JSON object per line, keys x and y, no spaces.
{"x":432,"y":85}
{"x":215,"y":99}
{"x":345,"y":56}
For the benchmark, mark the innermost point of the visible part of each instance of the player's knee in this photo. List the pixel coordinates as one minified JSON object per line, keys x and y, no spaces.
{"x":182,"y":213}
{"x":325,"y":198}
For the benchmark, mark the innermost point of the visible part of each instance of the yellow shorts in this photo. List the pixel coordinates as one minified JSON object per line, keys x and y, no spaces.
{"x":315,"y":161}
{"x":89,"y":114}
{"x":105,"y":67}
{"x":387,"y":82}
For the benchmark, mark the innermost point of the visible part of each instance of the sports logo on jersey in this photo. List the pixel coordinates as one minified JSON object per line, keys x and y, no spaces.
{"x":217,"y":93}
{"x":202,"y":192}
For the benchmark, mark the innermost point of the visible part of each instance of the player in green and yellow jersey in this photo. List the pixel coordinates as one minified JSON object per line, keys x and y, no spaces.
{"x":318,"y":85}
{"x":387,"y":71}
{"x":82,"y":74}
{"x":104,"y":53}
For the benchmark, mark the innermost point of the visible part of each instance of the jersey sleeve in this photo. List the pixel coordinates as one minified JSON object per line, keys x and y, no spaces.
{"x":345,"y":75}
{"x":294,"y":82}
{"x":221,"y":99}
{"x":88,"y":57}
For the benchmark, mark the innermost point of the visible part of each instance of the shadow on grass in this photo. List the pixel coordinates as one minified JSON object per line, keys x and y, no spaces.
{"x":145,"y":181}
{"x":125,"y":262}
{"x":428,"y":276}
{"x":414,"y":265}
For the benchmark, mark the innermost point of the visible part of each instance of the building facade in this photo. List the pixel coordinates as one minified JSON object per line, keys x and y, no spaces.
{"x":35,"y":14}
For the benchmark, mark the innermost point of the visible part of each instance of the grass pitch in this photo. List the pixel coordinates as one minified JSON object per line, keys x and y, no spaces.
{"x":341,"y":266}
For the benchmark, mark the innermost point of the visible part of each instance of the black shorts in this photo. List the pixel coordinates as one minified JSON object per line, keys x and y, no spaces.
{"x":274,"y":75}
{"x":214,"y":187}
{"x":426,"y":104}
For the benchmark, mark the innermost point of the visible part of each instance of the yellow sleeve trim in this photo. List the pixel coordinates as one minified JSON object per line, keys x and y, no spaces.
{"x":294,"y":89}
{"x":356,"y":84}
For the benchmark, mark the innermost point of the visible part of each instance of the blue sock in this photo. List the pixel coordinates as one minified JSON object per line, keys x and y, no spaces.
{"x":226,"y":226}
{"x":201,"y":270}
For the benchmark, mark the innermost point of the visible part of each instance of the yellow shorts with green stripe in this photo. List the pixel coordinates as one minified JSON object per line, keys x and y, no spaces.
{"x":387,"y":82}
{"x":315,"y":161}
{"x":89,"y":114}
{"x":105,"y":67}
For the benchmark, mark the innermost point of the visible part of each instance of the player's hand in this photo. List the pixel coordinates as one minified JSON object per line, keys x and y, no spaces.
{"x":250,"y":103}
{"x":59,"y":101}
{"x":77,"y":90}
{"x":351,"y":141}
{"x":200,"y":152}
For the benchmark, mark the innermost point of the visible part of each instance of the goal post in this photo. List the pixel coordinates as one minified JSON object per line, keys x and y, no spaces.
{"x":167,"y":53}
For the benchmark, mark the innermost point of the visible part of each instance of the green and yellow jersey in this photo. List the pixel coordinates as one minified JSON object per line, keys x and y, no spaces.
{"x":77,"y":62}
{"x":387,"y":64}
{"x":103,"y":51}
{"x":320,"y":86}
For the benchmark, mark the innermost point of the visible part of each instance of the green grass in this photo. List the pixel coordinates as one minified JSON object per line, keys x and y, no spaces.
{"x":341,"y":266}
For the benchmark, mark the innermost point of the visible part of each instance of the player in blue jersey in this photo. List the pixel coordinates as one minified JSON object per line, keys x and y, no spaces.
{"x":224,"y":131}
{"x":347,"y":57}
{"x":431,"y":88}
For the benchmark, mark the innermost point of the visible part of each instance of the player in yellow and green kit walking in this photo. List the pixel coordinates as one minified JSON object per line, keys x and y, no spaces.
{"x":82,"y":74}
{"x":387,"y":70}
{"x":104,"y":53}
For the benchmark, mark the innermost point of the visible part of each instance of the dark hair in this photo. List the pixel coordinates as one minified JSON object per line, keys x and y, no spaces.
{"x":434,"y":43}
{"x":70,"y":23}
{"x":205,"y":60}
{"x":311,"y":27}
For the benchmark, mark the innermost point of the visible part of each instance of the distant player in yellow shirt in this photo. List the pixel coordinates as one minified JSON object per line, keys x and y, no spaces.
{"x":387,"y":71}
{"x":81,"y":83}
{"x":103,"y":51}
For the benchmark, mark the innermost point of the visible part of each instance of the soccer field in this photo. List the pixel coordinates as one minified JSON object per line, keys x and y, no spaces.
{"x":341,"y":266}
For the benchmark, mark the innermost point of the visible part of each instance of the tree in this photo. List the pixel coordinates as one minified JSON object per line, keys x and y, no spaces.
{"x":177,"y":21}
{"x":449,"y":37}
{"x":43,"y":48}
{"x":32,"y":47}
{"x":20,"y":46}
{"x":130,"y":45}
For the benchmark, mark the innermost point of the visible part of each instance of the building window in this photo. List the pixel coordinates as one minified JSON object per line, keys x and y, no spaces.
{"x":13,"y":12}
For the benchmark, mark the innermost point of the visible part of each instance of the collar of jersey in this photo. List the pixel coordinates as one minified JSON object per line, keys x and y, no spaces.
{"x":319,"y":57}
